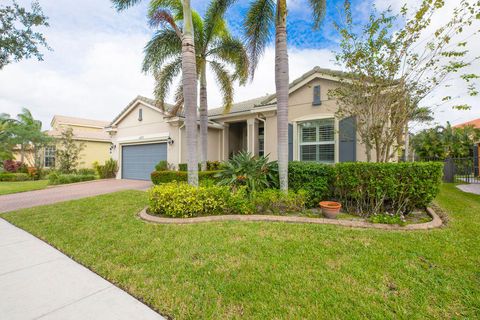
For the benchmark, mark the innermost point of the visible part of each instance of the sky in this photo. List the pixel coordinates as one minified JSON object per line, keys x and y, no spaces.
{"x":94,"y":67}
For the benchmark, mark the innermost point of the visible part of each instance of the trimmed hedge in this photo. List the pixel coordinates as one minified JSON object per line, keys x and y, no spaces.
{"x":211,"y":166}
{"x":180,"y":176}
{"x":368,"y":188}
{"x":56,"y":178}
{"x":315,"y":178}
{"x":180,"y":200}
{"x":11,"y":177}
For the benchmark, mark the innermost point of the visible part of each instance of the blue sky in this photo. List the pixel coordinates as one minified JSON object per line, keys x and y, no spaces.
{"x":94,"y":68}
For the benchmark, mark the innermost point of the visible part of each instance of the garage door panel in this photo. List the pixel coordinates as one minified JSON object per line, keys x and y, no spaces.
{"x":138,"y":161}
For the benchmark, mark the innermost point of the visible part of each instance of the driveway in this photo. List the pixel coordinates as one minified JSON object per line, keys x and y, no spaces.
{"x":39,"y":282}
{"x":61,"y":193}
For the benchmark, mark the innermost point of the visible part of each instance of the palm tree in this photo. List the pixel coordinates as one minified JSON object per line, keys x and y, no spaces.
{"x":214,"y":46}
{"x":261,"y":16}
{"x":169,"y":8}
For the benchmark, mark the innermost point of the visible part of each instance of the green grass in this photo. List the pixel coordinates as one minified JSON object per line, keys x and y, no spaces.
{"x":22,"y":186}
{"x":273,"y":270}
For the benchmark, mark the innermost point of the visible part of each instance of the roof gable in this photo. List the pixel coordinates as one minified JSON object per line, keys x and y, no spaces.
{"x":150,"y":103}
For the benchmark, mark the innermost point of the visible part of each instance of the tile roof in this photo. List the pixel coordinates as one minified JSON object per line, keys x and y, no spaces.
{"x":79,"y":121}
{"x":475,"y":123}
{"x":242,"y":106}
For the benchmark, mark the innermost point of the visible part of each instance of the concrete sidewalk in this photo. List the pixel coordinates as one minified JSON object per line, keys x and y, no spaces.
{"x":39,"y":282}
{"x":470,"y":188}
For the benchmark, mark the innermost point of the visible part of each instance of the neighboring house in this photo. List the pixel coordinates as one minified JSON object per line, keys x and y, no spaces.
{"x":91,"y":133}
{"x":142,"y":134}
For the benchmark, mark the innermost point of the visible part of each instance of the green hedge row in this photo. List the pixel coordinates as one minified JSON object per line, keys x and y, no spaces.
{"x":56,"y":178}
{"x":180,"y":176}
{"x":5,"y":176}
{"x":366,"y":188}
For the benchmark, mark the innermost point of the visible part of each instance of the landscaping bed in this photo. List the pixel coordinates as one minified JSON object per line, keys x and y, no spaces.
{"x":256,"y":270}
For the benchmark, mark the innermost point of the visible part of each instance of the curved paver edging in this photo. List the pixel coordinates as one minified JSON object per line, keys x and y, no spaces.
{"x":435,"y":223}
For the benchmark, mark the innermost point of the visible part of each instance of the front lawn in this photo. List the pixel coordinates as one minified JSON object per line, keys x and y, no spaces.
{"x":22,"y":186}
{"x":272,"y":270}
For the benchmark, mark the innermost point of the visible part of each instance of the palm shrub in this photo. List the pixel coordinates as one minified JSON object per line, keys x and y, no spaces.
{"x":107,"y":170}
{"x":244,"y":169}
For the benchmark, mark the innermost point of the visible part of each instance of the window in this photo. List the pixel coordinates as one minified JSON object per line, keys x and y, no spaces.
{"x":316,"y":96}
{"x":317,"y":140}
{"x":140,"y":114}
{"x":261,"y":141}
{"x":50,"y":157}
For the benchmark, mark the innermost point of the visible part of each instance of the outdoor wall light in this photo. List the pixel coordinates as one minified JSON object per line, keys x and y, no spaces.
{"x":170,"y":140}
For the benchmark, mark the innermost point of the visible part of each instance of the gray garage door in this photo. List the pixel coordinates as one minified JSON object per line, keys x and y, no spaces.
{"x":138,"y":161}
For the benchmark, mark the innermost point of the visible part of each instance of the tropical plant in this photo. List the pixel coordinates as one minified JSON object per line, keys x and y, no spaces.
{"x":108,"y":170}
{"x":256,"y":173}
{"x":68,"y":152}
{"x":26,"y":132}
{"x":259,"y":20}
{"x":18,"y":40}
{"x":442,"y":142}
{"x":181,"y":10}
{"x":214,"y":46}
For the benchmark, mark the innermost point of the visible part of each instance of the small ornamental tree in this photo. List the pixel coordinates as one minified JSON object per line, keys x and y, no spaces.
{"x":68,"y":152}
{"x":18,"y":40}
{"x":391,"y":71}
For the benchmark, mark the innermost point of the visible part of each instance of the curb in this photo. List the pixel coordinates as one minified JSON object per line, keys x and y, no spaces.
{"x":435,"y":223}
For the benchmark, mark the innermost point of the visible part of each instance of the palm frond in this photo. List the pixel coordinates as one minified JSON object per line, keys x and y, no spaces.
{"x":214,"y":18}
{"x":225,"y":82}
{"x":198,"y":35}
{"x":162,"y":17}
{"x":232,"y":51}
{"x":258,"y":26}
{"x":164,"y":45}
{"x":178,"y":106}
{"x":124,"y":4}
{"x":164,"y":79}
{"x":174,"y":6}
{"x":319,"y":7}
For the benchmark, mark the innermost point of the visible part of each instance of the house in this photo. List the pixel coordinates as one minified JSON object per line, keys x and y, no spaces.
{"x":142,"y":134}
{"x":91,"y":133}
{"x":476,"y":151}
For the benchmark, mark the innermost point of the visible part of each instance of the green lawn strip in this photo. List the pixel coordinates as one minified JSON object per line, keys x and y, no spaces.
{"x":22,"y":186}
{"x":272,"y":270}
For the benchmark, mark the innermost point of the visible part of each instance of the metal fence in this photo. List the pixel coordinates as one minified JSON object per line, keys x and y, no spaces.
{"x":463,"y":170}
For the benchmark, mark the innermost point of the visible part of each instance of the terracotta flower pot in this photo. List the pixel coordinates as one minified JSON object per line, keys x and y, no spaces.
{"x":330,"y":209}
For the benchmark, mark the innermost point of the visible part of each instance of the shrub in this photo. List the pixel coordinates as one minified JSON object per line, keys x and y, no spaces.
{"x":11,"y":177}
{"x":315,"y":178}
{"x":211,"y":166}
{"x":161,"y":166}
{"x":86,"y":171}
{"x":158,"y":177}
{"x":276,"y":202}
{"x":12,"y":166}
{"x":59,"y":178}
{"x":255,"y":173}
{"x":107,"y":170}
{"x":34,"y":173}
{"x":394,"y":188}
{"x":182,"y":200}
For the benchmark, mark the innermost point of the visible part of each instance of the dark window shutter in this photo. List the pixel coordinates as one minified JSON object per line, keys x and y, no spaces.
{"x":290,"y":142}
{"x":316,"y":96}
{"x":348,"y":139}
{"x":140,"y":114}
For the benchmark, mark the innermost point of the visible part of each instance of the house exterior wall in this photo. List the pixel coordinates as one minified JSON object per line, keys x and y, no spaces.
{"x":215,"y":143}
{"x":94,"y":151}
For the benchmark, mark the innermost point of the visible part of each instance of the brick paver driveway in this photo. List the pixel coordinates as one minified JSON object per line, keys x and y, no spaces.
{"x":29,"y":199}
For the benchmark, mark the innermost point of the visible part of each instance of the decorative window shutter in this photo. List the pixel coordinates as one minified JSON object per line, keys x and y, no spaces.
{"x":317,"y":96}
{"x":290,"y":142}
{"x":347,"y":139}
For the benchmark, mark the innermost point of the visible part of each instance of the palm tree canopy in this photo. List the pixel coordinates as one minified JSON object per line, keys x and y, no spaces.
{"x":213,"y":46}
{"x":260,"y":20}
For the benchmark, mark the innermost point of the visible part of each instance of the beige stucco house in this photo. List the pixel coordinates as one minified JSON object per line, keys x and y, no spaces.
{"x":90,"y":133}
{"x":142,"y":134}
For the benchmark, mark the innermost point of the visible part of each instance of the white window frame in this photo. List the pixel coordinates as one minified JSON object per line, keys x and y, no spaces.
{"x":296,"y":134}
{"x":54,"y":156}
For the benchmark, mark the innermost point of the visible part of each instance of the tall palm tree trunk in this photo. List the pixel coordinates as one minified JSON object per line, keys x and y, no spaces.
{"x":203,"y":118}
{"x":281,"y":84}
{"x":190,"y":93}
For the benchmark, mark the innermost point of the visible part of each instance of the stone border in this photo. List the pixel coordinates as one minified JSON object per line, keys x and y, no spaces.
{"x":435,"y":223}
